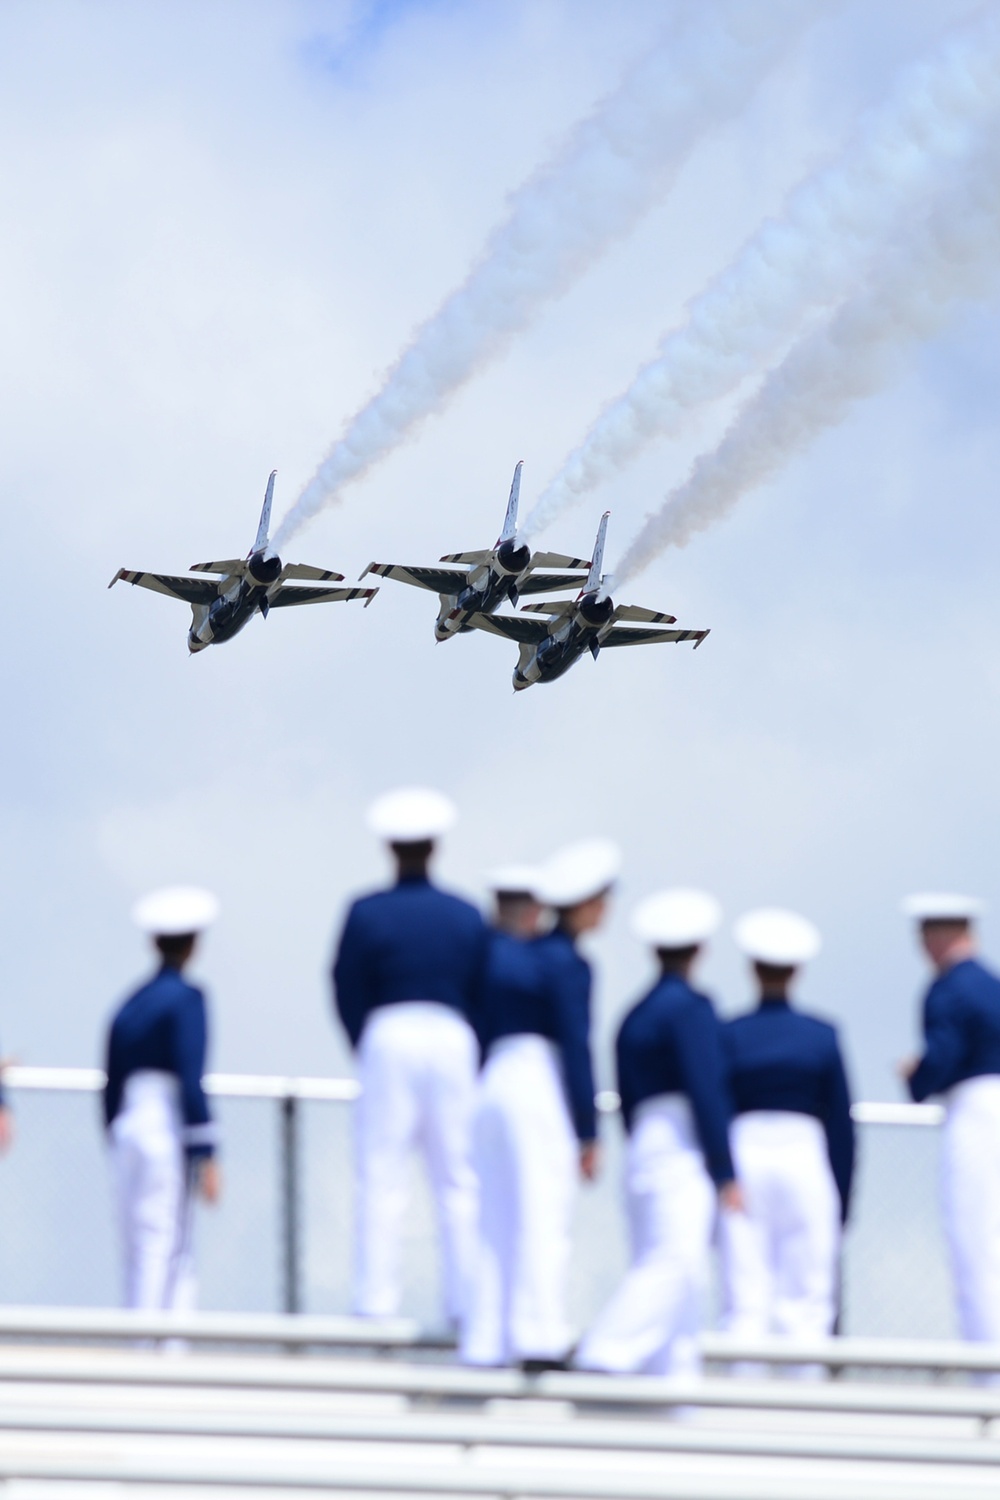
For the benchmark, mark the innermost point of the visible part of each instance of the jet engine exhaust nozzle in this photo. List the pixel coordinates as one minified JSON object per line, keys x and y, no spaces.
{"x":513,"y":559}
{"x":264,"y":569}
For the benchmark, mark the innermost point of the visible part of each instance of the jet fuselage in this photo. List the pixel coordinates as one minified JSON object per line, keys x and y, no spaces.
{"x":238,"y":602}
{"x":573,"y":633}
{"x":490,"y":584}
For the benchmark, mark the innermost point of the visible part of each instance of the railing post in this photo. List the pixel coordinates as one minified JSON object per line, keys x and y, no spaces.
{"x":290,"y":1199}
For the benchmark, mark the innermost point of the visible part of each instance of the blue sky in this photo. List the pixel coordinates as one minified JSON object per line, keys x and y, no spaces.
{"x":222,"y":224}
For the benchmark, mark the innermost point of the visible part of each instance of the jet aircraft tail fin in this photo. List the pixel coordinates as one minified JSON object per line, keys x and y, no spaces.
{"x":264,"y":527}
{"x":510,"y":519}
{"x":594,"y":579}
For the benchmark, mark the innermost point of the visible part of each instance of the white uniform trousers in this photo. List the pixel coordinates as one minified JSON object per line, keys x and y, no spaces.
{"x":153,"y":1181}
{"x":417,"y":1065}
{"x":651,"y":1324}
{"x":970,"y":1162}
{"x":527,"y":1158}
{"x":779,"y":1258}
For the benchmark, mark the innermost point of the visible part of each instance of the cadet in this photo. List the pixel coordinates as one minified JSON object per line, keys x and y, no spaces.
{"x":793,"y":1142}
{"x":676,"y":1109}
{"x":161,"y":1132}
{"x":407,"y":977}
{"x":962,"y":1061}
{"x":536,"y":1124}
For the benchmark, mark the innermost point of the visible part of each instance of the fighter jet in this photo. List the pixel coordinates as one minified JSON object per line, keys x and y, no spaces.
{"x":222,"y":606}
{"x":484,"y":579}
{"x":588,"y":623}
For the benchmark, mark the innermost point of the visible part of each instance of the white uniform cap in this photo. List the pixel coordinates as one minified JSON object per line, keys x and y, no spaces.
{"x":578,"y":872}
{"x":781,"y":938}
{"x":411,"y":814}
{"x":175,"y":911}
{"x":676,"y":918}
{"x":513,"y":880}
{"x":942,"y":906}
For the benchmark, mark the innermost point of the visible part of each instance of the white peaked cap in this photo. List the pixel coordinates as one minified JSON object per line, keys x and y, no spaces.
{"x":411,"y":814}
{"x":578,"y":872}
{"x":781,"y":938}
{"x":942,"y":906}
{"x":175,"y":911}
{"x":676,"y":918}
{"x":512,"y":880}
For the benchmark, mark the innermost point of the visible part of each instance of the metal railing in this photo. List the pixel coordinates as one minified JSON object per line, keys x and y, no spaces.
{"x":325,"y":1166}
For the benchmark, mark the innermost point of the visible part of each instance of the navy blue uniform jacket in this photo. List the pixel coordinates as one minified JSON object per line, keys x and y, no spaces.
{"x":961,"y":1029}
{"x":670,"y":1043}
{"x":542,"y":988}
{"x":780,"y":1059}
{"x":411,"y":942}
{"x":163,"y":1027}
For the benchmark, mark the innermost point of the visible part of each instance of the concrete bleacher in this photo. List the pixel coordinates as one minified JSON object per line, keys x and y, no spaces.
{"x":313,"y":1403}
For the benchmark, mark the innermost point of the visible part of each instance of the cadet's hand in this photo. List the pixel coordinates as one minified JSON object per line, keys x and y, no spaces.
{"x":6,"y":1131}
{"x":590,"y":1160}
{"x":731,"y":1198}
{"x":907,"y":1068}
{"x":209,"y":1180}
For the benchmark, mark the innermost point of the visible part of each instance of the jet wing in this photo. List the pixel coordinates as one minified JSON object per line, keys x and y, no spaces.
{"x":191,"y":590}
{"x":229,"y":567}
{"x":647,"y":616}
{"x":619,"y":636}
{"x":514,"y":627}
{"x":438,"y":580}
{"x":541,"y":583}
{"x":315,"y":575}
{"x":283,"y":597}
{"x":557,"y":560}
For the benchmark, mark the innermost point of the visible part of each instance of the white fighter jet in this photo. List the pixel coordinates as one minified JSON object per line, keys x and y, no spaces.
{"x":222,"y":606}
{"x":483,"y":580}
{"x":588,"y":623}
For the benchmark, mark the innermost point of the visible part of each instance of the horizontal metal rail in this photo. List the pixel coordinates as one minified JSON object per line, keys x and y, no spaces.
{"x":229,"y":1465}
{"x":69,"y":1324}
{"x":430,"y":1429}
{"x":324,"y":1331}
{"x":431,"y":1384}
{"x":344,"y":1090}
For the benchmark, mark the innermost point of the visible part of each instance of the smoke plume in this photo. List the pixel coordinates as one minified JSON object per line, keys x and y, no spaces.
{"x":807,"y":260}
{"x":949,"y":256}
{"x":614,"y":166}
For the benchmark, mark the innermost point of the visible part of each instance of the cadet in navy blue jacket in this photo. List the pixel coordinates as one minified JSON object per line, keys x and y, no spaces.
{"x":793,"y":1142}
{"x":407,"y":978}
{"x":161,"y":1132}
{"x":961,"y":1061}
{"x":536,"y":1126}
{"x":676,"y":1110}
{"x":6,"y":1122}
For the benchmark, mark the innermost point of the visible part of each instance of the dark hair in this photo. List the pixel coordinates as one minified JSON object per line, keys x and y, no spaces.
{"x":774,"y":973}
{"x":674,"y":959}
{"x":175,"y":946}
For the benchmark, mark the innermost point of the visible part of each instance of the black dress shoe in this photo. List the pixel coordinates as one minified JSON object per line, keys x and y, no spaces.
{"x":541,"y":1366}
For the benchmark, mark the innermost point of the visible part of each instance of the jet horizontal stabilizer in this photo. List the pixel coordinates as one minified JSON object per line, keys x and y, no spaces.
{"x":229,"y":567}
{"x":542,"y":583}
{"x":558,"y":560}
{"x":646,"y":616}
{"x":314,"y":575}
{"x":557,"y":607}
{"x":474,"y":559}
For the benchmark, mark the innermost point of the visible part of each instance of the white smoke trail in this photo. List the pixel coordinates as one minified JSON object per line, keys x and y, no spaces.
{"x":614,"y":166}
{"x":949,"y":256}
{"x":808,"y":259}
